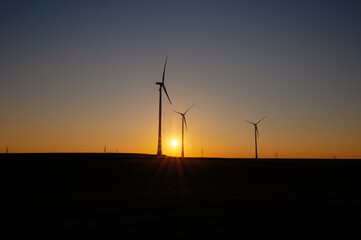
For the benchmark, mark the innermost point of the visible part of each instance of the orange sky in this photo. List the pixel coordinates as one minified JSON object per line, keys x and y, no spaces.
{"x":220,"y":131}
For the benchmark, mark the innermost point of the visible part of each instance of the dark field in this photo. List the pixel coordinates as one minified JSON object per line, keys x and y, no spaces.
{"x":130,"y":196}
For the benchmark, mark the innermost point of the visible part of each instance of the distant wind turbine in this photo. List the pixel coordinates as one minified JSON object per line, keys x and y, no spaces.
{"x":256,"y":134}
{"x":161,"y":86}
{"x":184,"y":121}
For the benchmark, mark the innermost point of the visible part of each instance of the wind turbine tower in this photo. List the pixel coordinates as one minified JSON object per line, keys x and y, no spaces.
{"x":256,"y":134}
{"x":161,"y":86}
{"x":184,"y":121}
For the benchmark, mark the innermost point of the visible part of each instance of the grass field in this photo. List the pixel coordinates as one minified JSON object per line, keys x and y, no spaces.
{"x":134,"y":196}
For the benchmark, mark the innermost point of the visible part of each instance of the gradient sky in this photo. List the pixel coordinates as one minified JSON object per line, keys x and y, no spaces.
{"x":76,"y":75}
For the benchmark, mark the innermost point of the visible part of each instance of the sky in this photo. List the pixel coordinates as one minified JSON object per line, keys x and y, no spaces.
{"x":78,"y":75}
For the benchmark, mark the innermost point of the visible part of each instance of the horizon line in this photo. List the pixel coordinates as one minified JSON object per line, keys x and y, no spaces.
{"x":210,"y":157}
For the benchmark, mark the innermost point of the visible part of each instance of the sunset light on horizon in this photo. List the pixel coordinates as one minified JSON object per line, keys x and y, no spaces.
{"x":76,"y":77}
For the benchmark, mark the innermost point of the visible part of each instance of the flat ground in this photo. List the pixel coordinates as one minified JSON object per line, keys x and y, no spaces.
{"x":130,"y":196}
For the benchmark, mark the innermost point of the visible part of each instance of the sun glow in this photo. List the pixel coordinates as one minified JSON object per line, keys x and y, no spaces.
{"x":174,"y":143}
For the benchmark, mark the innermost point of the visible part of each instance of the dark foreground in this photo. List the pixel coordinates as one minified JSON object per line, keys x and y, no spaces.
{"x":102,"y":196}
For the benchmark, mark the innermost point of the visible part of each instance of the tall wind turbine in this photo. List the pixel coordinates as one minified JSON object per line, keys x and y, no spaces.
{"x":184,"y":121}
{"x":256,"y":134}
{"x":161,"y":86}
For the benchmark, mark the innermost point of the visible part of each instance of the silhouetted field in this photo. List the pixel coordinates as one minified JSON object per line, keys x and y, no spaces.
{"x":131,"y":196}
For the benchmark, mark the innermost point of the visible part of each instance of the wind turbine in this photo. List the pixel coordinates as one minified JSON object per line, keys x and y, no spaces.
{"x":161,"y":86}
{"x":184,"y":121}
{"x":256,"y":134}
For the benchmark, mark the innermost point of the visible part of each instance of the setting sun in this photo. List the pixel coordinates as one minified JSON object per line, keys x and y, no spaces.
{"x":174,"y":143}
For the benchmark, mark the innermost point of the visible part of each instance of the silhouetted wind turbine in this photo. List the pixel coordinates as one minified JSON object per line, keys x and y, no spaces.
{"x":161,"y":86}
{"x":184,"y":121}
{"x":256,"y":134}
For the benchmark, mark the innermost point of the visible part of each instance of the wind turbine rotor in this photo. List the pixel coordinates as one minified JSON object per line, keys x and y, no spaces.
{"x":178,"y":112}
{"x":189,"y":108}
{"x":165,"y":90}
{"x":185,"y":121}
{"x":261,"y":119}
{"x":165,"y":65}
{"x":250,"y":122}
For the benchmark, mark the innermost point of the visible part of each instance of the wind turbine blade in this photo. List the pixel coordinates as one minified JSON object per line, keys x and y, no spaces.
{"x":189,"y":108}
{"x":177,"y":112}
{"x":261,"y":119}
{"x":185,"y":121}
{"x":250,"y":122}
{"x":165,"y":90}
{"x":257,"y":131}
{"x":165,"y":65}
